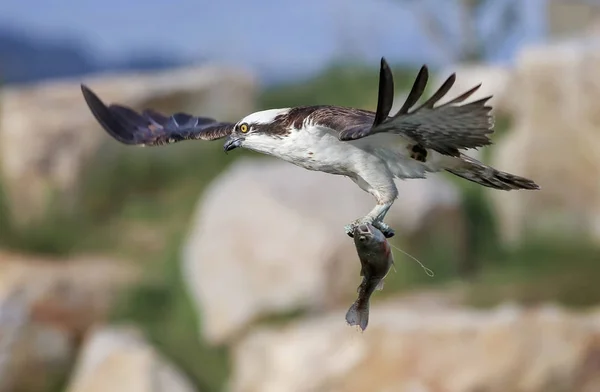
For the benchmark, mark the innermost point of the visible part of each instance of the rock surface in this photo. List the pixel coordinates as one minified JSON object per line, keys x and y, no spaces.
{"x":119,"y":359}
{"x":47,"y":134}
{"x":555,"y":141}
{"x":268,"y":237}
{"x":433,"y":349}
{"x":45,"y":308}
{"x":72,"y":294}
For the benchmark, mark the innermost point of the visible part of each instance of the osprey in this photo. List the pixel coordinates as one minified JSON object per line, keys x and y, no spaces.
{"x":370,"y":148}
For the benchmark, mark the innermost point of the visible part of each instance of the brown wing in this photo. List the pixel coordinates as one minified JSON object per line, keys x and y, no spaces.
{"x":445,"y":128}
{"x":151,"y":128}
{"x":353,"y":123}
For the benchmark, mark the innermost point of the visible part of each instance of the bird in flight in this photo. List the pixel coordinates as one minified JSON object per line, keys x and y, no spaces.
{"x":370,"y":148}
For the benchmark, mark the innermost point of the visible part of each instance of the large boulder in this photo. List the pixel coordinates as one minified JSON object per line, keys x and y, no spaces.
{"x":268,"y":238}
{"x":555,"y":141}
{"x":120,"y":359}
{"x":46,"y":306}
{"x":431,"y":349}
{"x":48,"y":135}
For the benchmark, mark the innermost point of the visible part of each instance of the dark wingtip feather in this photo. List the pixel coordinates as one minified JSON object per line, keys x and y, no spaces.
{"x":416,"y":91}
{"x":151,"y":128}
{"x":155,"y":116}
{"x":463,"y":96}
{"x":439,"y":94}
{"x":105,"y":117}
{"x":385,"y":98}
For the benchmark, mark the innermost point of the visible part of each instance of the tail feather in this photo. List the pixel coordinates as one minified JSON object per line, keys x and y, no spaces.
{"x":358,"y":314}
{"x":480,"y":173}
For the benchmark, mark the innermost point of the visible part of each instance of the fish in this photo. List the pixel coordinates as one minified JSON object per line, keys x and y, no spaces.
{"x":376,"y":259}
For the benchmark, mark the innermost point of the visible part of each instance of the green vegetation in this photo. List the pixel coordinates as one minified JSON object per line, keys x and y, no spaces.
{"x":137,"y":203}
{"x":342,"y":85}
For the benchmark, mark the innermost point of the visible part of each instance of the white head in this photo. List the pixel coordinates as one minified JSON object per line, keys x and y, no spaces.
{"x":263,"y":116}
{"x":259,"y":131}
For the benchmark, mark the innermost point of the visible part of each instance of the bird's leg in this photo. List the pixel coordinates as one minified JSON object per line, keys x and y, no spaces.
{"x":387,"y":231}
{"x":379,"y":183}
{"x":375,"y":217}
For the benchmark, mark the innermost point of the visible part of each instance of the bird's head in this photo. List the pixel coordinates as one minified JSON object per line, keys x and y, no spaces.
{"x":258,"y":131}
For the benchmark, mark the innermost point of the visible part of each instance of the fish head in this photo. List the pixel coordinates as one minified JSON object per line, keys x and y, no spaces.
{"x":366,"y":235}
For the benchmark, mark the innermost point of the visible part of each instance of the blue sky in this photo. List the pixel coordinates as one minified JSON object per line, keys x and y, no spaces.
{"x":299,"y":36}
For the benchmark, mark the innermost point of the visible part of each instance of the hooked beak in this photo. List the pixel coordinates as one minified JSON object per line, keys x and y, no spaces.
{"x":232,"y":143}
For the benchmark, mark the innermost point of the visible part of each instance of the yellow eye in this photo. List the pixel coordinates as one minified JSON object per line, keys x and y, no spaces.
{"x":244,"y":128}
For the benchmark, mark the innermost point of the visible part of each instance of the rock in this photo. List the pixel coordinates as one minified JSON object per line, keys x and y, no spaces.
{"x":554,"y":141}
{"x":71,"y":294}
{"x":47,"y":133}
{"x":571,"y":18}
{"x":118,"y":358}
{"x":45,"y":308}
{"x":428,"y":350}
{"x":268,"y":238}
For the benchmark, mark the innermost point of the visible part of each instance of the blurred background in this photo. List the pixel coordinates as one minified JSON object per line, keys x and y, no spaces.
{"x":184,"y":269}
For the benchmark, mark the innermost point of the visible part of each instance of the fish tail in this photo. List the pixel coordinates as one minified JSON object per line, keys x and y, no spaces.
{"x":358,"y":314}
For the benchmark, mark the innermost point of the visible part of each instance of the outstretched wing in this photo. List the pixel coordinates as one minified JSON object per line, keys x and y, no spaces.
{"x":445,"y":128}
{"x":351,"y":123}
{"x":151,"y":128}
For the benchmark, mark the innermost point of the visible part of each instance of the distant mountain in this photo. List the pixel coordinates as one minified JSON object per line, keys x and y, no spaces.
{"x":26,"y":59}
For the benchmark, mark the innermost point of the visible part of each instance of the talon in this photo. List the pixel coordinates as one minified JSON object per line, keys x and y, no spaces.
{"x":352,"y":227}
{"x":387,"y":231}
{"x":349,"y":230}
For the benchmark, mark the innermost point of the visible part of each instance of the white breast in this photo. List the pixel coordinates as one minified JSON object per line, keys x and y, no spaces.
{"x":394,"y":151}
{"x":318,"y":148}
